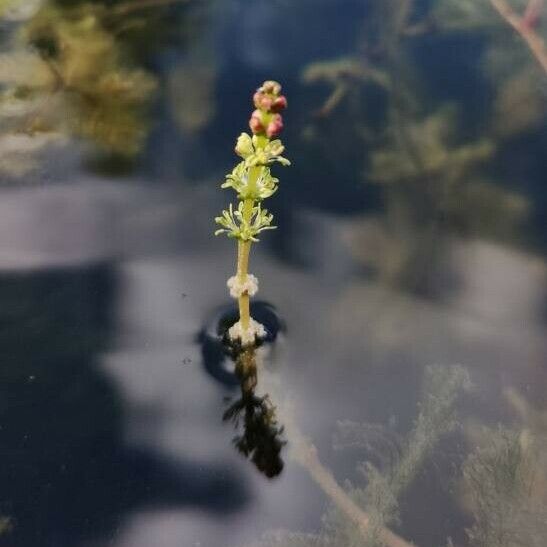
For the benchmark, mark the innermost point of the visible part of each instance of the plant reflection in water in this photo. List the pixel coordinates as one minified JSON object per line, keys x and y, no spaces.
{"x":261,"y":438}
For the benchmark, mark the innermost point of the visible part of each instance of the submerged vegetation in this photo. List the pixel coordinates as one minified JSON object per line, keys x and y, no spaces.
{"x":430,"y":145}
{"x":5,"y":525}
{"x":433,"y":114}
{"x":253,"y":182}
{"x":78,"y":69}
{"x":362,"y":514}
{"x":500,"y":478}
{"x":505,"y":480}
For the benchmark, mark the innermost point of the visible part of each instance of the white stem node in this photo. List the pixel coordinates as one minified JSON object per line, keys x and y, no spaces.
{"x":238,"y":287}
{"x":249,"y":335}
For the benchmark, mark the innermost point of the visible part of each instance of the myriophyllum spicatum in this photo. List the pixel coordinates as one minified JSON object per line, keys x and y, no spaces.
{"x":253,"y":182}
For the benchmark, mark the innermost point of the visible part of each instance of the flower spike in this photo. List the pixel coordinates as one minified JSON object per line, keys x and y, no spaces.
{"x":253,"y":182}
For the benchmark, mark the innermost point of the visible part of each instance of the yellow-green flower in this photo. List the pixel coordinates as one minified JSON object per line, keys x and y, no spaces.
{"x":236,"y":226}
{"x":250,"y":150}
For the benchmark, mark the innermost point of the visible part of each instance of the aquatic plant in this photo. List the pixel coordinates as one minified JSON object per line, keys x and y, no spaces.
{"x":505,"y":477}
{"x":500,"y":478}
{"x":6,"y":525}
{"x":525,"y":25}
{"x":383,"y":487}
{"x":525,"y":17}
{"x":361,"y":515}
{"x":432,"y":156}
{"x":77,"y":69}
{"x":253,"y":182}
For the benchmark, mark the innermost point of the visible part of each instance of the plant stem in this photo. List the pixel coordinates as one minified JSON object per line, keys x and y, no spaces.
{"x":306,"y":455}
{"x":334,"y":100}
{"x":243,"y":250}
{"x":534,"y":41}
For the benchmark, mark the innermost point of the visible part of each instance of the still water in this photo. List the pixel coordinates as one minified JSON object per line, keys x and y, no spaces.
{"x":399,"y":398}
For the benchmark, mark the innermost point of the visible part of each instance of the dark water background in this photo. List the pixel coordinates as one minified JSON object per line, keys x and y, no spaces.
{"x":111,"y":429}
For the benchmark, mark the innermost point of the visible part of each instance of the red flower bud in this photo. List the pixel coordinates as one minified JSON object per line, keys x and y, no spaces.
{"x":275,"y":126}
{"x":255,"y":123}
{"x":269,"y":86}
{"x":262,"y":101}
{"x":279,"y":104}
